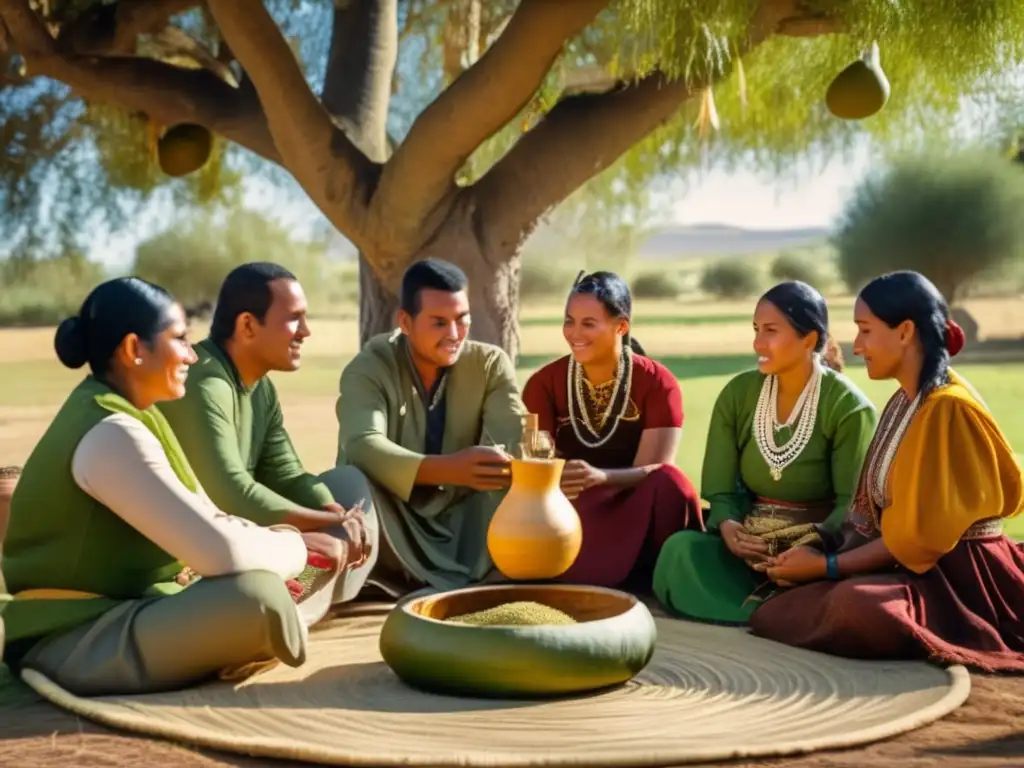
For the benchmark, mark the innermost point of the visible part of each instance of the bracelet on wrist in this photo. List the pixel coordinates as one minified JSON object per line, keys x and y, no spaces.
{"x":832,"y":566}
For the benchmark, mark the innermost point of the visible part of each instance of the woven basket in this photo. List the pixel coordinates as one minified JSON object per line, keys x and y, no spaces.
{"x":781,"y":532}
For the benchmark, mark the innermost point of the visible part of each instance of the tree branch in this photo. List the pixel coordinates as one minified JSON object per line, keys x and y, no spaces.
{"x":141,"y":17}
{"x":418,"y":184}
{"x":332,"y":171}
{"x":579,"y":138}
{"x":584,"y":134}
{"x":357,"y":92}
{"x":113,"y":29}
{"x":168,"y":94}
{"x":360,"y":66}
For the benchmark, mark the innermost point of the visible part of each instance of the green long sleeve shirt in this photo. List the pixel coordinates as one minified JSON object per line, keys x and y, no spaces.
{"x":827,"y":469}
{"x":235,"y":439}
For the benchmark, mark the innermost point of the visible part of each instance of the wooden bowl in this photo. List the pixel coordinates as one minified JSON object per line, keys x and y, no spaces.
{"x":612,"y":641}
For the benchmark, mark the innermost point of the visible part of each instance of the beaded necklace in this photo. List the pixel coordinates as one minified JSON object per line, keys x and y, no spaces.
{"x":623,"y":385}
{"x":889,"y":442}
{"x":766,"y":421}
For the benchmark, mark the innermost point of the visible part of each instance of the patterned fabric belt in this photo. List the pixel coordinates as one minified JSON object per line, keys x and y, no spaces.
{"x":988,"y":528}
{"x":814,"y":512}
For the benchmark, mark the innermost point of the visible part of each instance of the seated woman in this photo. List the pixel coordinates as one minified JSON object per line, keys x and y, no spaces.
{"x":107,"y":514}
{"x":920,"y":568}
{"x":617,"y":417}
{"x":784,"y":446}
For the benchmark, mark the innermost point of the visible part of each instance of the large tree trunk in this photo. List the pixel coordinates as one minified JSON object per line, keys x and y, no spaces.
{"x":494,"y":302}
{"x":377,"y":305}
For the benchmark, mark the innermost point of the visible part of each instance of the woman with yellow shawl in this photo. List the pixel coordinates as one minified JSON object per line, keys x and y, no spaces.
{"x":920,"y":567}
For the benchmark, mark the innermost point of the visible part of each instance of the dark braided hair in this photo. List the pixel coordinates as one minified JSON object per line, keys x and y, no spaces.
{"x":900,"y":296}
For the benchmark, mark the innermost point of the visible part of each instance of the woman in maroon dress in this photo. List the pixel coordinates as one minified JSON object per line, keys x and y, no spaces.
{"x":616,"y":416}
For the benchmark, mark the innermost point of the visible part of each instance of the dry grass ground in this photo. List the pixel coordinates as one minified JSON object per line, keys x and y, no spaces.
{"x":703,"y":343}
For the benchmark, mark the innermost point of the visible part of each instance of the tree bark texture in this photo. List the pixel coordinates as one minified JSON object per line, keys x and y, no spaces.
{"x":395,"y":204}
{"x":377,"y":305}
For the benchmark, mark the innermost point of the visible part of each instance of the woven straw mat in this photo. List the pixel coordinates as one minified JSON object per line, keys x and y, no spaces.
{"x":710,"y":693}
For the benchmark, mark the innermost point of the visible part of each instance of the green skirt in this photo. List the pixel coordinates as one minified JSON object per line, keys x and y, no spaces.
{"x":698,"y":577}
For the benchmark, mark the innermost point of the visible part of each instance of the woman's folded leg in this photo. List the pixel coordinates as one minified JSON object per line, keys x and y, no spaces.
{"x":167,"y":643}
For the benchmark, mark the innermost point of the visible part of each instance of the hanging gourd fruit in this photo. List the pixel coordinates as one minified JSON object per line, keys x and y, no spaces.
{"x":860,"y":90}
{"x":184,"y":149}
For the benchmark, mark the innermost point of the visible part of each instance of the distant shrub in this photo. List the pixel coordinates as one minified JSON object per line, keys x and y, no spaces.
{"x":43,"y":292}
{"x":541,"y":279}
{"x":730,"y":278}
{"x":952,"y":217}
{"x":29,"y":307}
{"x":792,"y":266}
{"x":192,"y":259}
{"x":656,"y":285}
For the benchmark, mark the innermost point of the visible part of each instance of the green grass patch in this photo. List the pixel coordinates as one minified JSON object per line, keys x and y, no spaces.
{"x":641,"y":320}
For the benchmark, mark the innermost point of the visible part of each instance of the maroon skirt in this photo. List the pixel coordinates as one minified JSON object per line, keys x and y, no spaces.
{"x":624,"y":528}
{"x":968,"y":609}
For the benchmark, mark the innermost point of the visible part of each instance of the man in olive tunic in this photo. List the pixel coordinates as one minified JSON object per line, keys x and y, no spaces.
{"x":428,"y":415}
{"x":231,"y":427}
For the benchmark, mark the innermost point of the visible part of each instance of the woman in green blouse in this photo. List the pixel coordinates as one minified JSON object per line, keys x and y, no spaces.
{"x":784,"y":448}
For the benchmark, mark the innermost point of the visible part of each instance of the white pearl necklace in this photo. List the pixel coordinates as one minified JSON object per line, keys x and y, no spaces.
{"x":891,"y":439}
{"x":766,"y":422}
{"x":574,"y":384}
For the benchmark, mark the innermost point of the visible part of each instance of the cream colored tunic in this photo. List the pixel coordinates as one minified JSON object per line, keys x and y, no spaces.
{"x":121,"y":464}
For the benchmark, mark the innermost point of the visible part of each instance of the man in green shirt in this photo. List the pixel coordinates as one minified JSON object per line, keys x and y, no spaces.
{"x":231,"y":427}
{"x":428,"y":415}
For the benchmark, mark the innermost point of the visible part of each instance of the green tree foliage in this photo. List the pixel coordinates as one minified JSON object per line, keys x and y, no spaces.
{"x":950,"y":217}
{"x":935,"y":53}
{"x":192,"y":258}
{"x":71,"y":169}
{"x":730,"y":278}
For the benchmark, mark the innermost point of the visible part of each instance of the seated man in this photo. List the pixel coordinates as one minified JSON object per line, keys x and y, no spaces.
{"x":230,"y":424}
{"x":426,"y":414}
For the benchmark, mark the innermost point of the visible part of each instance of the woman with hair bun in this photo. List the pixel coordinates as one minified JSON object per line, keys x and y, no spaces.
{"x":616,"y":415}
{"x":920,"y":568}
{"x":784,"y":446}
{"x":109,"y":526}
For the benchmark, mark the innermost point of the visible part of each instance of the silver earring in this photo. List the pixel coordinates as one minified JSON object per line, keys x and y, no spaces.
{"x":138,"y":361}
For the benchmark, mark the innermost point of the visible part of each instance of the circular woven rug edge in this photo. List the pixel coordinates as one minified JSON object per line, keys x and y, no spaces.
{"x":286,"y":749}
